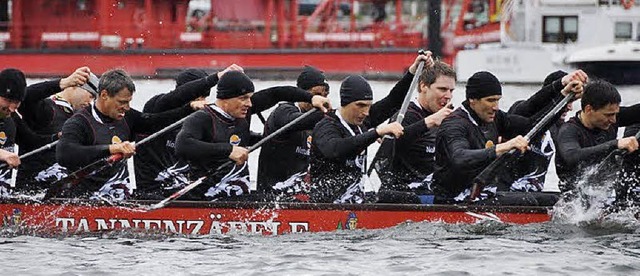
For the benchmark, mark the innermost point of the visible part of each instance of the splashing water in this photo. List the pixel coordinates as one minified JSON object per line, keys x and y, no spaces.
{"x":589,"y":201}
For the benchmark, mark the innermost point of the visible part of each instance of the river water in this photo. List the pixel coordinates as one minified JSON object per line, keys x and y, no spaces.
{"x":575,"y":243}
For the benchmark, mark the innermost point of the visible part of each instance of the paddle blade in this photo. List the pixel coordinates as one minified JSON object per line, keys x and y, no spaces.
{"x":177,"y":194}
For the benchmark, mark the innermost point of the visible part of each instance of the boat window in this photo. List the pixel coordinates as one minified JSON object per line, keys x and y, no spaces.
{"x":560,"y":29}
{"x":623,"y":31}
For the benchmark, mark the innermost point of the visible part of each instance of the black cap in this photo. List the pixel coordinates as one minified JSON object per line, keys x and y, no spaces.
{"x":91,"y":85}
{"x":553,"y":77}
{"x":12,"y":84}
{"x":310,"y":77}
{"x":190,"y":74}
{"x":233,"y":84}
{"x":483,"y":84}
{"x":355,"y":88}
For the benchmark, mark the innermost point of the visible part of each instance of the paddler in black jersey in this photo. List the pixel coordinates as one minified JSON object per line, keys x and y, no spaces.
{"x":210,"y":137}
{"x":340,"y":139}
{"x":47,"y":105}
{"x":527,"y":173}
{"x":406,"y":164}
{"x":106,"y":127}
{"x":469,"y":139}
{"x":284,"y":160}
{"x":158,"y":170}
{"x":13,"y":130}
{"x":591,"y":135}
{"x":12,"y":89}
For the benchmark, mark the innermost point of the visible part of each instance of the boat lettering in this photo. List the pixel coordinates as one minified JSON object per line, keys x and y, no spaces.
{"x":178,"y":226}
{"x":299,"y":227}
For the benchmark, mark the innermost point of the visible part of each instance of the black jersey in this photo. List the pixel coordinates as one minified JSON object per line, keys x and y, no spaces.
{"x":205,"y":141}
{"x":37,"y":171}
{"x":410,"y":158}
{"x":7,"y":142}
{"x":157,"y":167}
{"x":465,"y":145}
{"x":288,"y":153}
{"x":338,"y":149}
{"x":86,"y":138}
{"x":580,"y":147}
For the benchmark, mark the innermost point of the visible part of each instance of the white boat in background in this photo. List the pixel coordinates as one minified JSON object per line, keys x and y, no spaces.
{"x":541,"y":36}
{"x":617,"y":63}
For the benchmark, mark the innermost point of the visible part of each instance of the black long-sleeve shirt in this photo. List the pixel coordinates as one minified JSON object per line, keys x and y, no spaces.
{"x":76,"y":147}
{"x":527,"y":172}
{"x":36,"y":113}
{"x":409,"y":158}
{"x":335,"y":152}
{"x":465,"y":145}
{"x":156,"y":165}
{"x":182,"y":95}
{"x":580,"y":147}
{"x":287,"y":153}
{"x":207,"y":137}
{"x":193,"y":145}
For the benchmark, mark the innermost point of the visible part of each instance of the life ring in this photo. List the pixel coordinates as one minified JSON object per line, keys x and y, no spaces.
{"x":627,"y":4}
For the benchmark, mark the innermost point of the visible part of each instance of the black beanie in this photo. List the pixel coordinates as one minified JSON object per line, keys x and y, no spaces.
{"x":233,"y":84}
{"x":553,"y":77}
{"x":483,"y":84}
{"x":355,"y":88}
{"x":91,"y":85}
{"x":310,"y":77}
{"x":188,"y":75}
{"x":12,"y":84}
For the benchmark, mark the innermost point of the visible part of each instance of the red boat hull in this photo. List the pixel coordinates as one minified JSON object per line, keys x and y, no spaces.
{"x":214,"y":218}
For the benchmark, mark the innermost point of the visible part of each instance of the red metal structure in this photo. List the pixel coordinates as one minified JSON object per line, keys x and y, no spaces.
{"x":46,"y":37}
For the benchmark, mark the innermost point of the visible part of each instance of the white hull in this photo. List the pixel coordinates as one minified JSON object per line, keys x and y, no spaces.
{"x":515,"y":64}
{"x":523,"y":56}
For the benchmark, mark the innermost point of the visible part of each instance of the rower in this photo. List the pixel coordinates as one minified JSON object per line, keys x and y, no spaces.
{"x":284,"y":160}
{"x":210,"y":137}
{"x":409,"y":165}
{"x":12,"y":87}
{"x":528,"y":172}
{"x":468,"y":140}
{"x":591,"y":135}
{"x":106,"y":127}
{"x":158,"y":170}
{"x":46,"y":107}
{"x":340,"y":139}
{"x":13,"y":130}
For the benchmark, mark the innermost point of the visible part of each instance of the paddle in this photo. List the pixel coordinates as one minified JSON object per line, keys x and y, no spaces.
{"x":412,"y":88}
{"x":401,"y":112}
{"x":480,"y":181}
{"x":257,"y":145}
{"x":98,"y":166}
{"x":33,"y":152}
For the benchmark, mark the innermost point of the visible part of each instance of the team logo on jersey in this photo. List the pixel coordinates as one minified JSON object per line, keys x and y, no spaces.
{"x":309,"y":141}
{"x":115,"y":140}
{"x":3,"y":138}
{"x":234,"y":140}
{"x":489,"y":144}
